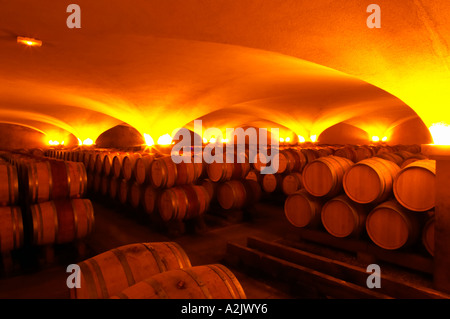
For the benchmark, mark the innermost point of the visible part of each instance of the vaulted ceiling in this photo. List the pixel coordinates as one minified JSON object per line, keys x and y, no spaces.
{"x":302,"y":66}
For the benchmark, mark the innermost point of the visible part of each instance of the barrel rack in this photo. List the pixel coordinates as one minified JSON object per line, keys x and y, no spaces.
{"x":315,"y":274}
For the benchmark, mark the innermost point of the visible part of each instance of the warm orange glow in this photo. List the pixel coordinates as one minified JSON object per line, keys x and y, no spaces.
{"x":88,"y":141}
{"x":224,"y":140}
{"x":212,"y":140}
{"x":384,"y":139}
{"x":375,"y":139}
{"x":281,"y":140}
{"x":301,"y":139}
{"x":51,"y":142}
{"x":440,"y":133}
{"x":29,"y":42}
{"x":313,"y":138}
{"x":287,"y":139}
{"x":166,"y":139}
{"x":205,"y":140}
{"x":148,"y":140}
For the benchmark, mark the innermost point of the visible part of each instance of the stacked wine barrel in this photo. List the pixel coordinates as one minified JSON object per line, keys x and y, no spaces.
{"x":51,"y":193}
{"x":387,"y":197}
{"x":160,"y":270}
{"x":11,"y":223}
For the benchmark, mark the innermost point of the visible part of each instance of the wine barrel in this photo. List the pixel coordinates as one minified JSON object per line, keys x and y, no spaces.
{"x":221,"y":172}
{"x":362,"y":153}
{"x":128,"y":165}
{"x":108,"y":163}
{"x":54,"y":179}
{"x":397,"y":159}
{"x":415,"y":186}
{"x":391,"y":226}
{"x":201,"y":282}
{"x":323,"y":176}
{"x":183,"y":202}
{"x":186,"y":173}
{"x":428,"y":236}
{"x":370,"y":180}
{"x":163,"y":172}
{"x":11,"y":228}
{"x":346,"y":152}
{"x":272,"y":183}
{"x":61,"y":221}
{"x":9,"y":185}
{"x":136,"y":194}
{"x":142,"y":168}
{"x":149,"y":199}
{"x":211,"y":189}
{"x":290,"y":161}
{"x":117,"y":170}
{"x":237,"y":194}
{"x":255,"y":175}
{"x":292,"y":183}
{"x":302,"y":209}
{"x":124,"y":191}
{"x":111,"y":272}
{"x":342,"y":217}
{"x":113,"y":187}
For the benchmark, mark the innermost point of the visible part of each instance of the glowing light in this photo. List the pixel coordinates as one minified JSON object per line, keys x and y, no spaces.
{"x":440,"y":133}
{"x":51,"y":142}
{"x":384,"y":139}
{"x":281,"y":140}
{"x":301,"y":139}
{"x":88,"y":141}
{"x":224,"y":140}
{"x":166,"y":139}
{"x":212,"y":140}
{"x":205,"y":140}
{"x":287,"y":139}
{"x":375,"y":139}
{"x":313,"y":138}
{"x":29,"y":42}
{"x":148,"y":140}
{"x":62,"y":143}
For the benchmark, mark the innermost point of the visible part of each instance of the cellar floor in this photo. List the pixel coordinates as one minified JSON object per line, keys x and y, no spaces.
{"x":116,"y":226}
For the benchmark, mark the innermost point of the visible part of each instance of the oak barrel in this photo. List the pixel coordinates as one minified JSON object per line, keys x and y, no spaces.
{"x":342,"y":217}
{"x":237,"y":194}
{"x":142,"y":168}
{"x":111,"y":272}
{"x":391,"y":226}
{"x":149,"y":199}
{"x":415,"y":186}
{"x":370,"y":180}
{"x":302,"y":209}
{"x":292,"y":183}
{"x":61,"y":221}
{"x":200,"y":282}
{"x":9,"y":185}
{"x":54,"y":179}
{"x":323,"y":176}
{"x":163,"y":172}
{"x":11,"y":228}
{"x":272,"y":183}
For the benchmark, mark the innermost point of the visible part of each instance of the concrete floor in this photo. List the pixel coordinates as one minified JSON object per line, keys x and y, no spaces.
{"x":116,"y":225}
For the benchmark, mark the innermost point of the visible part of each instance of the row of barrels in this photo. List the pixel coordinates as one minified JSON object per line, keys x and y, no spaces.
{"x":160,"y":270}
{"x":389,"y":225}
{"x":373,"y":180}
{"x":54,"y":222}
{"x":48,"y":206}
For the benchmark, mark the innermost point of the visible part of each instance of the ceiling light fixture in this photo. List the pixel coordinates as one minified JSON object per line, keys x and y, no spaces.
{"x":29,"y":42}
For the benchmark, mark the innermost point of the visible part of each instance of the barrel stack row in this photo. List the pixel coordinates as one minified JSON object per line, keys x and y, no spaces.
{"x":11,"y":224}
{"x":160,"y":270}
{"x":391,"y":203}
{"x":51,"y":208}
